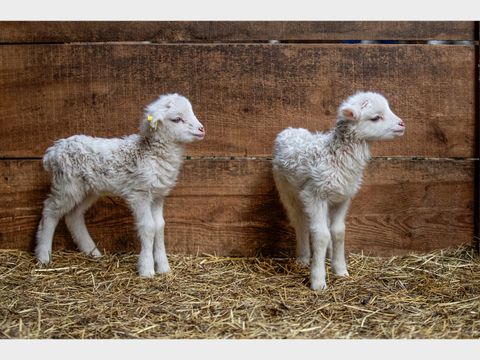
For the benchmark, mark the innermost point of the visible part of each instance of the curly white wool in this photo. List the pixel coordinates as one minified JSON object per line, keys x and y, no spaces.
{"x":141,"y":168}
{"x":318,"y":174}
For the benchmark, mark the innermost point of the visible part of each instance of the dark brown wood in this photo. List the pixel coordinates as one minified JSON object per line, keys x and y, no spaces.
{"x":231,"y":208}
{"x":231,"y":31}
{"x":244,"y":94}
{"x":477,"y":144}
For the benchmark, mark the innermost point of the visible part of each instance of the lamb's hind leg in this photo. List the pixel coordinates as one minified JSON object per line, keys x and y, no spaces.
{"x":298,"y":220}
{"x":75,"y":221}
{"x":303,"y":238}
{"x":55,"y":206}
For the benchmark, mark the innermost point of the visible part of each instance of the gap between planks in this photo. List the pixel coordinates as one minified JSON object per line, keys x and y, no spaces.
{"x":268,"y":158}
{"x":272,"y":42}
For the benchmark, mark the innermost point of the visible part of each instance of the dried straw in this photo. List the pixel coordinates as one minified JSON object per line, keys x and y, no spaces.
{"x":436,"y":295}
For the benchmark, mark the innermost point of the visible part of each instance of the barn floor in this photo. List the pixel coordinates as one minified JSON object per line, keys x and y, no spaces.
{"x":436,"y":295}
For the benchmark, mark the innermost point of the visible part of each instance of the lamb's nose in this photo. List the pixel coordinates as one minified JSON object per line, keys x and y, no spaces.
{"x":201,"y":129}
{"x":401,"y":123}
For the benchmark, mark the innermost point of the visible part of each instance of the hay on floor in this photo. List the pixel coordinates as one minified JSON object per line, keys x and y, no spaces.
{"x":436,"y":295}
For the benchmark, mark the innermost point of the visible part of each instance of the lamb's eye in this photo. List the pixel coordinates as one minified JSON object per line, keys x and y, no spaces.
{"x":376,"y":118}
{"x":177,"y":120}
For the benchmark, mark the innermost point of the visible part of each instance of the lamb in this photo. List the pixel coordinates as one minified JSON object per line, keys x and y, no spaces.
{"x":318,"y":174}
{"x":141,"y":168}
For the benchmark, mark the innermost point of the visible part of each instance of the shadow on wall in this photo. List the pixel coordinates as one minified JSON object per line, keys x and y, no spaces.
{"x":274,"y":235}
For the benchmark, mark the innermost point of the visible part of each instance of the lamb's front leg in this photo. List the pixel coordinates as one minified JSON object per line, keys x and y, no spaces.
{"x":317,"y":212}
{"x":159,"y":254}
{"x":337,"y":229}
{"x":142,"y":211}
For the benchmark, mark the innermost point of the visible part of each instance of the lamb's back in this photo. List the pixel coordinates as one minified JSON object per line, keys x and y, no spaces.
{"x":298,"y":148}
{"x":82,"y":151}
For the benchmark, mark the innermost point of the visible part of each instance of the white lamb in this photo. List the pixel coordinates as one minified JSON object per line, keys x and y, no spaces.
{"x":318,"y":174}
{"x":141,"y":168}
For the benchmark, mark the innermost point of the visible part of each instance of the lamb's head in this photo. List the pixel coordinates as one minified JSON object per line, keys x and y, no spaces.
{"x":172,"y":115}
{"x":369,"y":116}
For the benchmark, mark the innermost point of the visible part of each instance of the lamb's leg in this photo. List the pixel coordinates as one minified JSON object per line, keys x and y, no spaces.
{"x":76,"y":224}
{"x":55,"y":206}
{"x":337,"y":230}
{"x":159,"y":254}
{"x":298,"y":220}
{"x":142,"y":212}
{"x":317,"y":211}
{"x":303,"y":240}
{"x":329,"y":250}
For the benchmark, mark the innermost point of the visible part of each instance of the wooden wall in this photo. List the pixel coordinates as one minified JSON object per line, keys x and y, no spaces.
{"x":64,"y":78}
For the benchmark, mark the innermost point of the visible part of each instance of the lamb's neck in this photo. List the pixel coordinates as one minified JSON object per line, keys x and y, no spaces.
{"x":348,"y":148}
{"x":163,"y":148}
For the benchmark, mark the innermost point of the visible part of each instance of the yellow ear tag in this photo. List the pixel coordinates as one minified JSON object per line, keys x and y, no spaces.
{"x":150,"y":119}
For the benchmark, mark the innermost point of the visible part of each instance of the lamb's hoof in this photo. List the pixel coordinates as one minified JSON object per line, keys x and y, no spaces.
{"x":146,"y":274}
{"x":342,"y":273}
{"x":96,"y":253}
{"x":340,"y":270}
{"x":303,"y":261}
{"x":43,"y":257}
{"x":318,"y":286}
{"x":146,"y":271}
{"x":317,"y":282}
{"x":162,"y":269}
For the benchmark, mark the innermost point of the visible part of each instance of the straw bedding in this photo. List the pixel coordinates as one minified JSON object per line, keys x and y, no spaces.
{"x":434,"y":295}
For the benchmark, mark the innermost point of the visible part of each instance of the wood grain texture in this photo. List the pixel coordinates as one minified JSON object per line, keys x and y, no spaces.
{"x":477,"y":147}
{"x":230,"y":31}
{"x":231,"y":208}
{"x":243,"y":94}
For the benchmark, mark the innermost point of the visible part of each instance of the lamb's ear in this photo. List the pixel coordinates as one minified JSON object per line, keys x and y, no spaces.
{"x":155,"y":114}
{"x":153,"y":118}
{"x":152,"y":121}
{"x":350,"y":112}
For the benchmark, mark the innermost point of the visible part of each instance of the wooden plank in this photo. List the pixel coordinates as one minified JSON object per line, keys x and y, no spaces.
{"x":477,"y":144}
{"x":231,"y":31}
{"x":231,"y":208}
{"x":244,"y":94}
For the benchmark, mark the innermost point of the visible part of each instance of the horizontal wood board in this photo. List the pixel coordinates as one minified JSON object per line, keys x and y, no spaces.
{"x":231,"y":208}
{"x":244,"y":94}
{"x":231,"y":31}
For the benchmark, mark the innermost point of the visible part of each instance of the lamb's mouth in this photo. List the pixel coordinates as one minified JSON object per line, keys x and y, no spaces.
{"x":200,"y":136}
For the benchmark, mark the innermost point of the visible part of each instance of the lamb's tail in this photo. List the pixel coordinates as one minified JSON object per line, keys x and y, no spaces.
{"x":47,"y":159}
{"x":50,"y":157}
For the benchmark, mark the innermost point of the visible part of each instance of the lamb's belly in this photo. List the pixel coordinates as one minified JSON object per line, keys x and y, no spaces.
{"x":159,"y":187}
{"x":336,"y":198}
{"x":339,"y":194}
{"x":161,"y":191}
{"x":163,"y":185}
